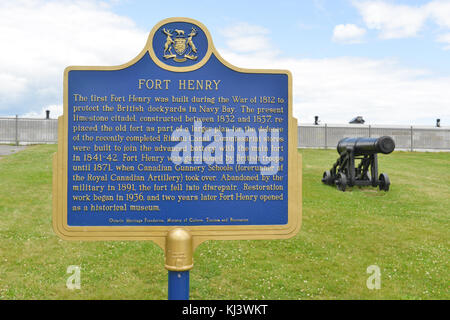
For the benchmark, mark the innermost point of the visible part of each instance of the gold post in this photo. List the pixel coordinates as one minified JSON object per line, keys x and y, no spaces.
{"x":179,"y":250}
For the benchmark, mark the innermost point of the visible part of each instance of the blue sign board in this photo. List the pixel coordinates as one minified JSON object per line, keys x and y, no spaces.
{"x":177,"y":137}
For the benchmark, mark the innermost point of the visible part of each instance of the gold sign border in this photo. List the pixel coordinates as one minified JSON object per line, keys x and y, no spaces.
{"x":158,"y":233}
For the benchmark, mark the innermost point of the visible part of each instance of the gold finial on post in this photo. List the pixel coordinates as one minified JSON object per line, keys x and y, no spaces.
{"x":179,"y":250}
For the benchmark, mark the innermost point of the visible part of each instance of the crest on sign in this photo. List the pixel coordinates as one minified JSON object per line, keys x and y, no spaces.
{"x":183,"y":47}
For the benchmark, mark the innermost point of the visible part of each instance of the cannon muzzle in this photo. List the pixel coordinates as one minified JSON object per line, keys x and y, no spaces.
{"x":366,"y":146}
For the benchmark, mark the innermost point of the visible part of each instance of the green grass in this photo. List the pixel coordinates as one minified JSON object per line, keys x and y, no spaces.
{"x":404,"y":231}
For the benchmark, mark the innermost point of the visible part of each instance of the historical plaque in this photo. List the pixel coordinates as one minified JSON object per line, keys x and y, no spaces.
{"x":177,"y":137}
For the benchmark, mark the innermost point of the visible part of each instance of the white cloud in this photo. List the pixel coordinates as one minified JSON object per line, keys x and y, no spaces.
{"x":41,"y":38}
{"x":444,"y":38}
{"x":11,"y":87}
{"x":439,"y":11}
{"x":393,"y":21}
{"x":404,"y":21}
{"x":56,"y":110}
{"x":244,"y":37}
{"x":348,"y":33}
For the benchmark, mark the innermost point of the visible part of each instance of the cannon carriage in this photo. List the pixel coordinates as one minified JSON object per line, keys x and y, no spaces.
{"x":345,"y":174}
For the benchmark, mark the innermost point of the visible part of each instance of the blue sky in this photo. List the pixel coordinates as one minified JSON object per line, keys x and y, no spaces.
{"x":388,"y":61}
{"x":299,"y":28}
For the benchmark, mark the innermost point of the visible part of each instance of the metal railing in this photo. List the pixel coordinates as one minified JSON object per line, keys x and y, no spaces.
{"x":29,"y":130}
{"x":411,"y":138}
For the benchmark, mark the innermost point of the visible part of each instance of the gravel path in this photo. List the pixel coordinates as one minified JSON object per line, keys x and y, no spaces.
{"x":7,"y":149}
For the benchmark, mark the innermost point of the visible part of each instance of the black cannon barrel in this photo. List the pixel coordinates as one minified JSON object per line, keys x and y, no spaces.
{"x":363,"y":145}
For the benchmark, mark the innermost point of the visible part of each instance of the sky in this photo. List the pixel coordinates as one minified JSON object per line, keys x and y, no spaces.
{"x":385,"y":60}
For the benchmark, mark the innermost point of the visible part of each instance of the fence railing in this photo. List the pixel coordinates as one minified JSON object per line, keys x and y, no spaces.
{"x":409,"y":138}
{"x":28,"y":131}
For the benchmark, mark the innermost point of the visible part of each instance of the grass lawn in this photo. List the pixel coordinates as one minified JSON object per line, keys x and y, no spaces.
{"x":405,"y":232}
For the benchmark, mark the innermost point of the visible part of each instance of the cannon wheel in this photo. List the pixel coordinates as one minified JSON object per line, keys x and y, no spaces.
{"x":341,"y":181}
{"x":327,"y":177}
{"x":384,"y":182}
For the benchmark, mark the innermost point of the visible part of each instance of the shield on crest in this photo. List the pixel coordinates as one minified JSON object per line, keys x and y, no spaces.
{"x":180,"y":45}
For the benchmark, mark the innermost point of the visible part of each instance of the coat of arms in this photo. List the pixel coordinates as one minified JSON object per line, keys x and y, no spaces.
{"x":184,"y":47}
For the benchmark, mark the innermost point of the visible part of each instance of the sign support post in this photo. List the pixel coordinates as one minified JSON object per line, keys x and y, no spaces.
{"x":179,"y":260}
{"x":178,"y":285}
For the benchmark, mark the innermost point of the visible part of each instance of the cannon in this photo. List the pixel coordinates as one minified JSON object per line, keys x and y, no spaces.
{"x":345,"y":174}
